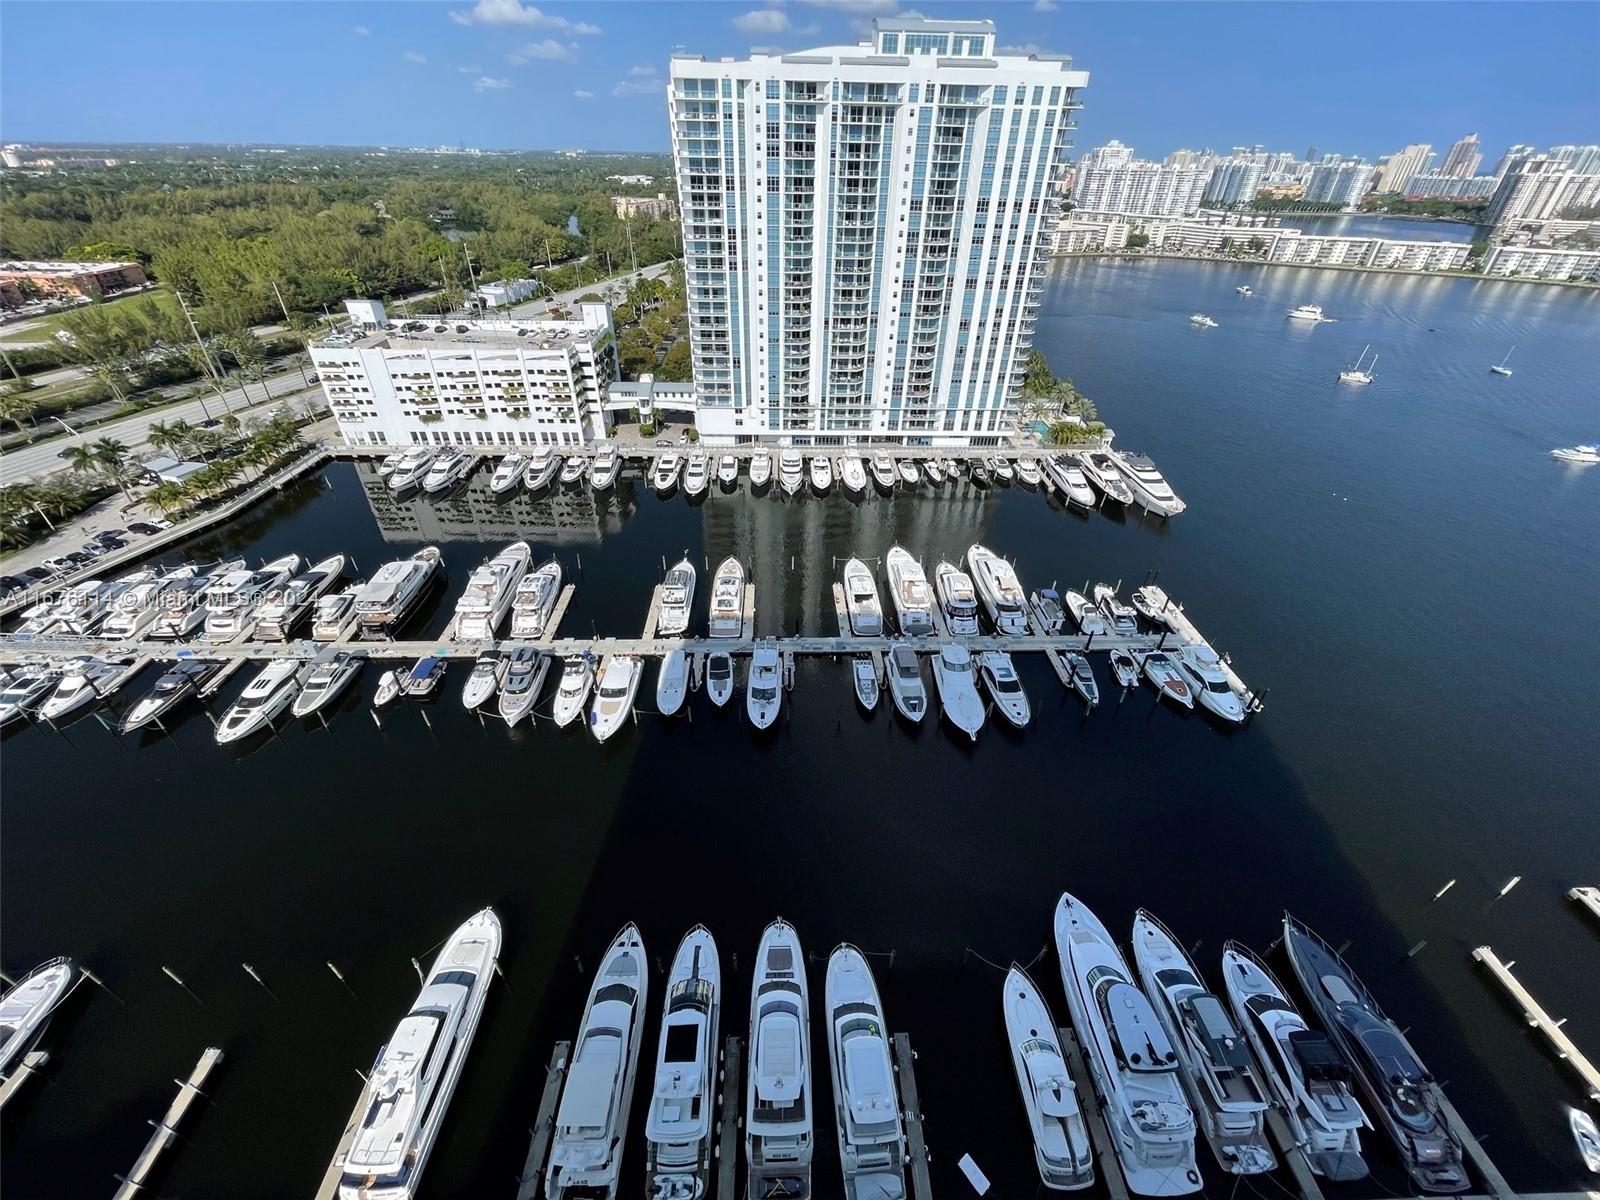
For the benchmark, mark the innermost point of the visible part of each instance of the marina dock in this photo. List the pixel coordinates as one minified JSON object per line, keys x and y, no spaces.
{"x":544,"y":1123}
{"x":166,"y":1131}
{"x":24,"y":1071}
{"x":911,"y":1107}
{"x":1108,"y":1170}
{"x":728,"y":1149}
{"x":1539,"y":1019}
{"x":1589,"y":897}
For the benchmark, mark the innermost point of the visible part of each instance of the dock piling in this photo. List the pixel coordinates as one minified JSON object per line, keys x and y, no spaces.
{"x":173,"y":975}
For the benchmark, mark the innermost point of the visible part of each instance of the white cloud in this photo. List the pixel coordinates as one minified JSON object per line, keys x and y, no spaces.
{"x":868,"y":7}
{"x":1024,"y":49}
{"x":487,"y":83}
{"x":642,"y":72}
{"x":762,"y":21}
{"x":411,"y":56}
{"x":641,"y":81}
{"x":514,"y":12}
{"x":548,"y":50}
{"x":360,"y":31}
{"x":1045,"y":5}
{"x":583,"y":95}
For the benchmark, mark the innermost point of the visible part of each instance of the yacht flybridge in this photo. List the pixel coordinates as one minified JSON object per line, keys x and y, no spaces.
{"x":791,"y":472}
{"x":764,"y":686}
{"x":778,"y":1130}
{"x":543,"y":466}
{"x":1061,"y":1146}
{"x":1122,"y":617}
{"x":1002,"y":594}
{"x":185,"y":609}
{"x":821,"y":473}
{"x":872,"y":1150}
{"x":508,"y":473}
{"x":524,"y":679}
{"x":592,"y":1117}
{"x":861,"y":604}
{"x":391,"y":596}
{"x":664,"y":475}
{"x":760,"y":469}
{"x":677,"y":599}
{"x":232,"y":600}
{"x":138,"y":608}
{"x":727,"y":470}
{"x":410,"y":1087}
{"x":908,"y":588}
{"x":1308,"y":312}
{"x":727,"y":599}
{"x":448,"y":469}
{"x":286,"y":608}
{"x":489,"y":593}
{"x":956,"y":679}
{"x":334,"y":613}
{"x":882,"y":468}
{"x":573,"y":468}
{"x":1100,"y":469}
{"x":605,"y":465}
{"x":958,"y":598}
{"x":1067,"y":477}
{"x":534,"y":601}
{"x":853,"y":474}
{"x":1208,"y":680}
{"x":411,"y":469}
{"x":679,"y":1126}
{"x":1131,"y":1061}
{"x":1150,"y":488}
{"x":697,"y":474}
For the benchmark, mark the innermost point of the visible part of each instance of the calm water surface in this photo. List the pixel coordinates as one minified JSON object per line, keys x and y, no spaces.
{"x":1402,"y":566}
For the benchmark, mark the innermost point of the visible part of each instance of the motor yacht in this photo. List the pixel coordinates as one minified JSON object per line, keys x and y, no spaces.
{"x":286,"y":608}
{"x":185,"y":678}
{"x":1307,"y":312}
{"x":883,"y":472}
{"x":184,"y":611}
{"x":1100,"y":470}
{"x":1304,"y":1070}
{"x":1225,"y":1089}
{"x":26,"y":1009}
{"x":865,"y":677}
{"x":232,"y":601}
{"x":764,"y":686}
{"x":978,"y":472}
{"x":409,"y":1090}
{"x":447,"y":470}
{"x":137,"y":609}
{"x":1162,"y":670}
{"x":1245,"y":289}
{"x":1150,"y":488}
{"x":1399,"y":1090}
{"x":821,"y":473}
{"x":672,"y":682}
{"x":906,"y":686}
{"x":872,"y":1146}
{"x":677,"y":600}
{"x":1359,"y":374}
{"x":388,"y":689}
{"x":522,"y":683}
{"x":1585,"y":455}
{"x":1082,"y":676}
{"x":719,"y":677}
{"x":1048,"y":613}
{"x":697,"y":474}
{"x":958,"y":598}
{"x":1002,"y":469}
{"x":508,"y":471}
{"x":390,"y":597}
{"x":680,"y":1122}
{"x":1090,"y":620}
{"x":664,"y":474}
{"x":412,"y":469}
{"x":1061,"y":1146}
{"x":85,"y":681}
{"x":1067,"y":477}
{"x":998,"y":588}
{"x":572,"y":697}
{"x":908,"y":589}
{"x":596,"y":1099}
{"x":760,"y":469}
{"x":267,"y":695}
{"x":778,"y":1130}
{"x":1131,"y":1060}
{"x":389,"y":463}
{"x":1000,"y":680}
{"x":1028,"y":474}
{"x":1208,"y":681}
{"x":490,"y":591}
{"x":1121,"y":619}
{"x":853,"y":474}
{"x":955,"y":677}
{"x":534,"y":601}
{"x":614,"y":693}
{"x":727,"y":599}
{"x":483,"y":681}
{"x":424,"y":678}
{"x":1124,"y":668}
{"x":325,"y":681}
{"x":334,"y":614}
{"x":573,"y":468}
{"x":85,"y":606}
{"x":42,"y":617}
{"x":1203,"y":321}
{"x":861,"y":604}
{"x":727,"y":471}
{"x":933,"y":471}
{"x":908,"y":471}
{"x":26,"y":689}
{"x":1587,"y":1136}
{"x":543,"y":466}
{"x":1154,"y":605}
{"x":605,"y":466}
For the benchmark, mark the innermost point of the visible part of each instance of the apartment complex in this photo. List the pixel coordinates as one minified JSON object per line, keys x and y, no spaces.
{"x":865,"y":229}
{"x":1111,"y":179}
{"x":21,"y":282}
{"x":1463,"y":159}
{"x":1434,"y":186}
{"x":659,"y":205}
{"x":1540,"y":188}
{"x":1233,"y":181}
{"x":1539,"y":262}
{"x":1402,"y":167}
{"x":1343,"y":182}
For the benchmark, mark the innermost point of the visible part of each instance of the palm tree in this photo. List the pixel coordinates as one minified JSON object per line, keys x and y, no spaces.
{"x":168,"y":496}
{"x":167,"y":436}
{"x":112,"y":457}
{"x":60,"y":496}
{"x":17,"y":408}
{"x":80,"y":456}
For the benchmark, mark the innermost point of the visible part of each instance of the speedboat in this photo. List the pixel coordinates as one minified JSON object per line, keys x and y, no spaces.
{"x":908,"y":471}
{"x":232,"y":601}
{"x":778,"y":1132}
{"x":543,"y":466}
{"x":664,"y":475}
{"x":424,"y":677}
{"x":861,"y":604}
{"x":1099,"y":469}
{"x":697,"y":474}
{"x":388,"y":690}
{"x":185,"y":678}
{"x":447,"y":470}
{"x":677,"y":600}
{"x":760,"y":469}
{"x":905,"y":683}
{"x":1002,"y":470}
{"x":1307,"y":312}
{"x":390,"y":597}
{"x":727,"y":599}
{"x":85,"y":681}
{"x":934,"y":472}
{"x":334,"y":614}
{"x":853,"y":474}
{"x":1124,"y":668}
{"x":1305,"y":1070}
{"x":535,"y":601}
{"x":605,"y":465}
{"x":764,"y":687}
{"x":1587,"y":1135}
{"x":1044,"y":605}
{"x":679,"y":1125}
{"x":409,"y":1089}
{"x":185,"y":610}
{"x":1061,"y":1146}
{"x":821,"y":473}
{"x":1091,"y":622}
{"x":1166,"y":678}
{"x":284,"y":609}
{"x":1583,"y":454}
{"x":26,"y":689}
{"x":998,"y":588}
{"x":957,"y":597}
{"x":508,"y":473}
{"x":1000,"y":680}
{"x":1131,"y":1060}
{"x":908,"y":589}
{"x":597,"y":1097}
{"x":1209,"y":681}
{"x":1399,"y":1089}
{"x":484,"y":680}
{"x":577,"y":680}
{"x":954,"y":676}
{"x":1082,"y":675}
{"x":791,"y":472}
{"x":1153,"y":604}
{"x":1244,"y":289}
{"x":1203,"y":321}
{"x":26,"y":1008}
{"x":267,"y":695}
{"x":521,"y":683}
{"x":872,"y":1145}
{"x":727,"y":470}
{"x":489,"y":593}
{"x":882,"y":468}
{"x":865,"y":676}
{"x":672,"y":682}
{"x":1028,"y":472}
{"x":1122,"y":619}
{"x":573,"y":468}
{"x":389,"y":463}
{"x":325,"y":681}
{"x":1225,"y":1089}
{"x":614,"y":693}
{"x":1150,"y":487}
{"x":1067,"y":477}
{"x":137,"y":609}
{"x":411,"y":470}
{"x":719,"y":677}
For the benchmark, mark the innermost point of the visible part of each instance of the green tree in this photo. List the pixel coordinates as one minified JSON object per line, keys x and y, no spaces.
{"x":1138,"y":241}
{"x":112,"y":459}
{"x":17,"y":406}
{"x":168,"y":496}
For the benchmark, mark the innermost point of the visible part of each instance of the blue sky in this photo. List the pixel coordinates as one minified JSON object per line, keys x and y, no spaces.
{"x":1352,"y":77}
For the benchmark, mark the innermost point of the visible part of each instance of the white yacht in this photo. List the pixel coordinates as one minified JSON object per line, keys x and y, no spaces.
{"x":1047,"y":610}
{"x":483,"y":681}
{"x":1090,"y":620}
{"x":664,"y":475}
{"x":906,"y":685}
{"x":614,"y":692}
{"x":883,"y":472}
{"x":861,"y":604}
{"x":672,"y":682}
{"x":727,"y":470}
{"x":1225,"y":1090}
{"x":778,"y":1131}
{"x":719,"y":677}
{"x":573,"y":468}
{"x":1500,"y":367}
{"x":139,"y":608}
{"x":1244,"y":289}
{"x":27,"y":688}
{"x":334,"y":614}
{"x":26,"y":1008}
{"x":957,"y":597}
{"x":1587,"y":1136}
{"x":1028,"y":474}
{"x":1307,"y":1074}
{"x":1208,"y":681}
{"x":1122,"y":618}
{"x":1124,"y":668}
{"x":1585,"y":455}
{"x":908,"y":589}
{"x":760,"y":469}
{"x":872,"y":1147}
{"x":956,"y":679}
{"x":697,"y":474}
{"x":1000,"y":680}
{"x":1154,"y":605}
{"x":977,"y":471}
{"x":185,"y":611}
{"x":577,"y":680}
{"x":763,"y":696}
{"x":934,"y":472}
{"x":677,"y":600}
{"x":490,"y":590}
{"x":1099,"y":469}
{"x":1162,"y":672}
{"x":1082,"y":675}
{"x":267,"y":695}
{"x":423,"y":679}
{"x":388,"y":464}
{"x":604,"y":467}
{"x":998,"y":588}
{"x":1359,"y":374}
{"x":185,"y":678}
{"x":1133,"y":1065}
{"x":727,"y":599}
{"x":821,"y":473}
{"x":447,"y":470}
{"x":508,"y":473}
{"x":325,"y":681}
{"x":388,"y":689}
{"x":534,"y":601}
{"x":390,"y":597}
{"x":84,"y":682}
{"x":409,"y":1089}
{"x":1067,"y":477}
{"x":286,"y":607}
{"x":865,"y":677}
{"x":853,"y":474}
{"x":1203,"y":321}
{"x":1002,"y":469}
{"x":1307,"y":312}
{"x":908,"y":471}
{"x":543,"y":466}
{"x":522,"y":683}
{"x":85,"y":605}
{"x":411,"y":469}
{"x":680,"y":1125}
{"x":1061,"y":1146}
{"x":597,"y":1097}
{"x":1150,"y":488}
{"x":232,"y":601}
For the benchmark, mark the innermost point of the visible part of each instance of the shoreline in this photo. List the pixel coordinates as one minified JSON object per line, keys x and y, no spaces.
{"x":1250,"y":262}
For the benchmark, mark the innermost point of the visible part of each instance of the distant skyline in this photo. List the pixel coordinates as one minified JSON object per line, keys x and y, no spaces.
{"x":1353,"y":79}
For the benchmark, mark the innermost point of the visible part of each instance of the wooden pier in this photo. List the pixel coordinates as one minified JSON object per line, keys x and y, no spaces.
{"x":1536,"y":1017}
{"x":1108,"y":1168}
{"x":21,"y":1073}
{"x":911,"y":1106}
{"x":544,"y":1123}
{"x":328,"y":1189}
{"x":727,"y":1161}
{"x":1292,"y":1154}
{"x":167,"y":1130}
{"x":1589,"y":897}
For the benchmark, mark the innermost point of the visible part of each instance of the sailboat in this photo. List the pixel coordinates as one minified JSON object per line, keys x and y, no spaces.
{"x":1500,"y":367}
{"x":1355,"y":374}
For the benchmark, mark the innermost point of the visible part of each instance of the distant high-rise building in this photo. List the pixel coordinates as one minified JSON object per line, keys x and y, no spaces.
{"x":1180,"y":158}
{"x":1342,"y":183}
{"x":1311,"y":154}
{"x":1430,"y":185}
{"x":1510,"y":160}
{"x":1464,"y":158}
{"x":1403,"y":164}
{"x":1539,"y":189}
{"x":1233,"y":181}
{"x":1110,"y":179}
{"x":1112,"y":154}
{"x":1584,"y":160}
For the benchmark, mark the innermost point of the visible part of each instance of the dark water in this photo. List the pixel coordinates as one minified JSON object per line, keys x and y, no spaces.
{"x":1365,"y":225}
{"x":1403,"y":566}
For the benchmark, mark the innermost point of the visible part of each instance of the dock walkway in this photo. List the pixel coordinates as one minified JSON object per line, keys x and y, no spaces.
{"x":1539,"y":1019}
{"x":166,"y":1131}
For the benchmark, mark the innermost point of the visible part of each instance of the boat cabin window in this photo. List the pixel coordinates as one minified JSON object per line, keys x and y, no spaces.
{"x":460,"y":978}
{"x":626,"y":993}
{"x":1318,"y":1058}
{"x":683,"y":1043}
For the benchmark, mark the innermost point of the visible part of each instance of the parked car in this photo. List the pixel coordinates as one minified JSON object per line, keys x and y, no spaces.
{"x":147,"y":528}
{"x":94,"y":549}
{"x":12,"y":583}
{"x":111,"y":535}
{"x":77,"y":558}
{"x":38,"y":575}
{"x":59,"y":565}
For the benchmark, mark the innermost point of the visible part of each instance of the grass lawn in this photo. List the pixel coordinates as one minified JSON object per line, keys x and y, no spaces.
{"x":43,"y":329}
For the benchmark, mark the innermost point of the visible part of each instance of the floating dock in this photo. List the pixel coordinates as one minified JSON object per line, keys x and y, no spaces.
{"x":21,"y":1073}
{"x":544,"y":1123}
{"x":1108,"y":1169}
{"x":167,"y":1130}
{"x":911,"y":1107}
{"x":1589,"y":897}
{"x":727,"y":1162}
{"x":1535,"y":1015}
